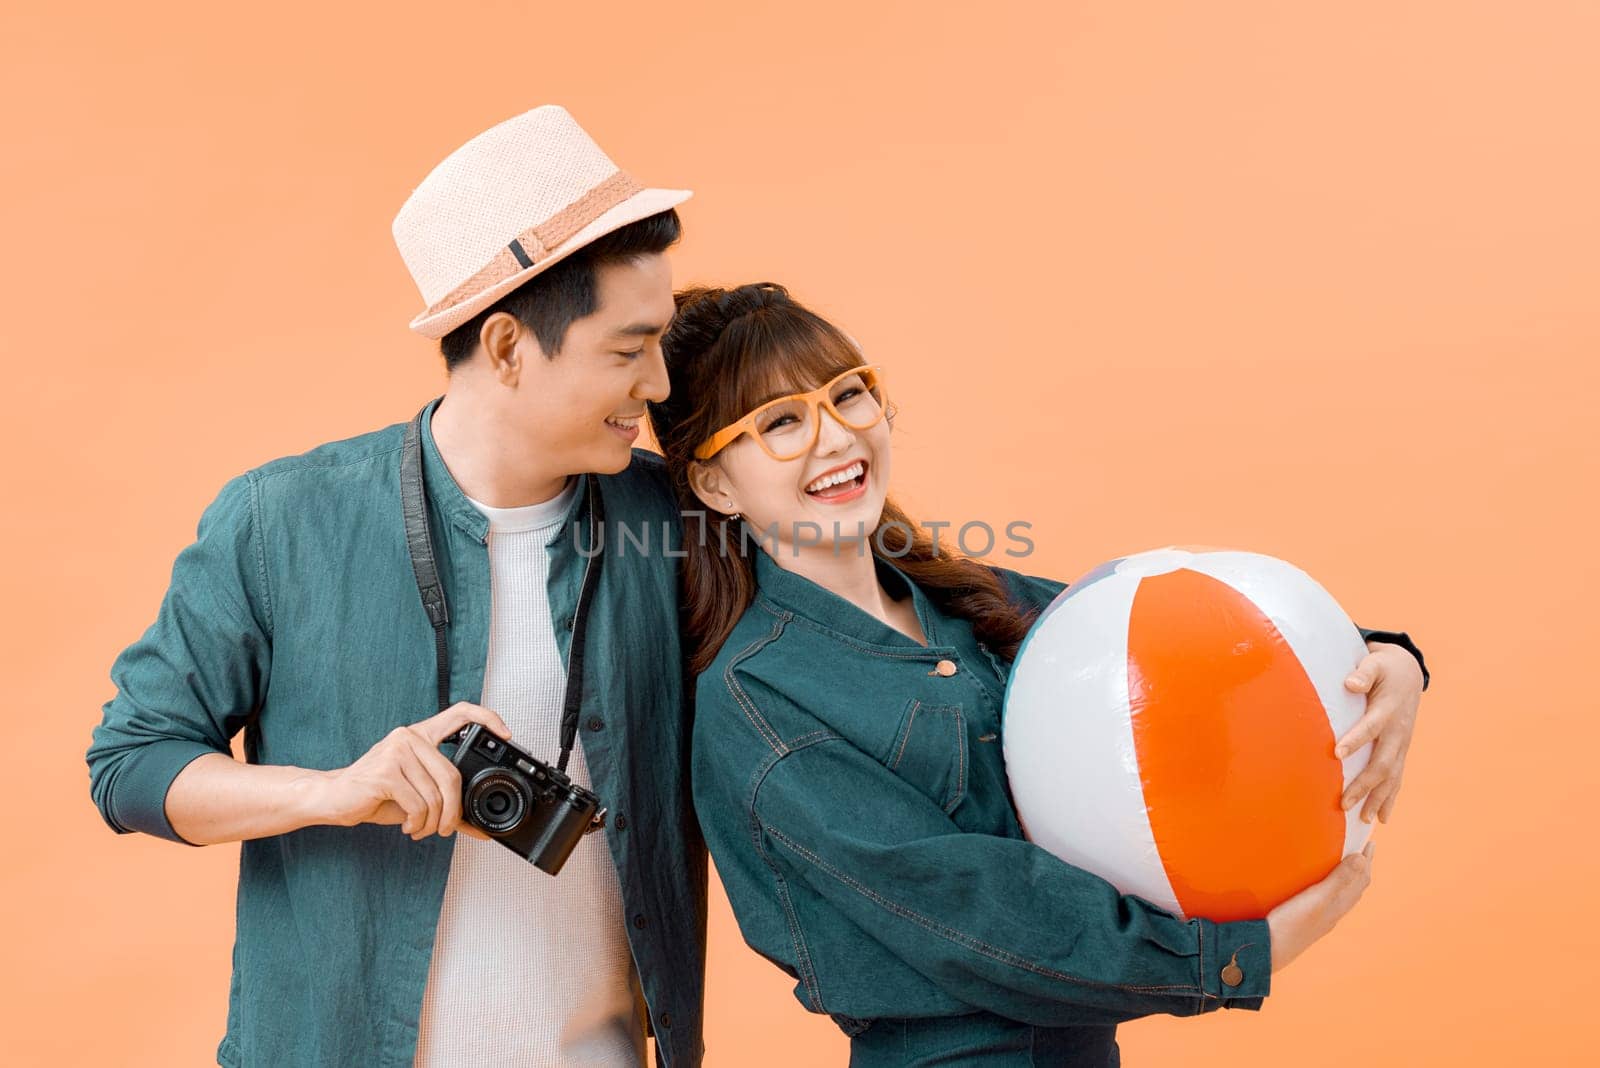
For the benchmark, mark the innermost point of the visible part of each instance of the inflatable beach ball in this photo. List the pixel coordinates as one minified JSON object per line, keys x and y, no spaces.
{"x":1170,"y":724}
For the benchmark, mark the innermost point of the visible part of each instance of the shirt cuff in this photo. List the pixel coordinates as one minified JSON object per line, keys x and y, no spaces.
{"x":1236,"y":962}
{"x":1403,"y":640}
{"x":138,"y":800}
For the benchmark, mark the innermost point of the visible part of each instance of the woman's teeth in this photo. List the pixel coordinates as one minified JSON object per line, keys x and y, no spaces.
{"x":849,"y":474}
{"x":625,"y":424}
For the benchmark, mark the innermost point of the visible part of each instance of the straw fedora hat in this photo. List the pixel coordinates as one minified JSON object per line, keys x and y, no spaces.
{"x":513,"y":201}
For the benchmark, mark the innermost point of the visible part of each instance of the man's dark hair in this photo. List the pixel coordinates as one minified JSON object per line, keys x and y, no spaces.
{"x":553,"y":299}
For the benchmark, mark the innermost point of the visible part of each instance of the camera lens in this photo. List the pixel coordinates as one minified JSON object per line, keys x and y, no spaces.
{"x":497,"y":800}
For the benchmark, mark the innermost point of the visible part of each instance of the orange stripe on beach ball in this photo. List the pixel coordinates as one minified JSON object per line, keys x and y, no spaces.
{"x":1234,"y":747}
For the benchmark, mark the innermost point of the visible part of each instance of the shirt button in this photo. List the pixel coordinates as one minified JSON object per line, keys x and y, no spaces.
{"x":640,"y":922}
{"x":596,"y":723}
{"x":1232,"y":974}
{"x":945,"y":668}
{"x":620,"y":823}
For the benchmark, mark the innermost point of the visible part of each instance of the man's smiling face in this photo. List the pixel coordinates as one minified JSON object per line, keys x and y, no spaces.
{"x":587,"y":402}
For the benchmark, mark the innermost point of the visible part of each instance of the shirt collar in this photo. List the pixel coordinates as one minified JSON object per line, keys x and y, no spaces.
{"x":828,"y":611}
{"x":529,"y":517}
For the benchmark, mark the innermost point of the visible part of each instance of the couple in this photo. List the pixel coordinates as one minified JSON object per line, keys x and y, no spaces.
{"x":867,"y":848}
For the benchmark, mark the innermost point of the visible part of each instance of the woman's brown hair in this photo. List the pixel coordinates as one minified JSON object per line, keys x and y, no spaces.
{"x":726,"y":351}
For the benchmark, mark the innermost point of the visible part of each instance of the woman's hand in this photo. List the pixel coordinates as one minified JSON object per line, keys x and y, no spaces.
{"x":1314,"y":911}
{"x":1392,"y":681}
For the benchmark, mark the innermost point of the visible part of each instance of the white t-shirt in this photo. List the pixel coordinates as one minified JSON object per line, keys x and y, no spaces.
{"x":528,"y":968}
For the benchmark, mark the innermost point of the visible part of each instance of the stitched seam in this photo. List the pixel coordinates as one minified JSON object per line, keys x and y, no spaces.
{"x":256,"y":536}
{"x":806,"y":739}
{"x":755,"y":821}
{"x":961,"y":938}
{"x":905,"y":738}
{"x":926,"y":652}
{"x":808,"y":971}
{"x":308,"y":466}
{"x":257,"y":477}
{"x":752,"y":713}
{"x":242,"y":608}
{"x":960,"y":791}
{"x":961,"y":761}
{"x":1204,"y":993}
{"x":760,"y":777}
{"x":1002,"y":670}
{"x":803,"y":742}
{"x":796,"y":933}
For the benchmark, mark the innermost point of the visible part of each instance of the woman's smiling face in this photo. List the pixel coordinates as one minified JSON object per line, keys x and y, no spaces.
{"x":834,"y":489}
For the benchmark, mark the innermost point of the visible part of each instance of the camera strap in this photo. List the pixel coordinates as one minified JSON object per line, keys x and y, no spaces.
{"x":419,"y":542}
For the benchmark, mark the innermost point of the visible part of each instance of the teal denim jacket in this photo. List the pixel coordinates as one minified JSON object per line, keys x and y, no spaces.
{"x":295,"y":617}
{"x":855,"y":803}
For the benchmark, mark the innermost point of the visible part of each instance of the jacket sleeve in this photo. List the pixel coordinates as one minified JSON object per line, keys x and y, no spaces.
{"x":194,"y":678}
{"x":1403,"y":640}
{"x":997,"y":923}
{"x":1030,"y":591}
{"x":1036,"y":591}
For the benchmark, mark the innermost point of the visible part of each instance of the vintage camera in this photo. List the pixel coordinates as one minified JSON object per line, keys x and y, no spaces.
{"x":524,"y":804}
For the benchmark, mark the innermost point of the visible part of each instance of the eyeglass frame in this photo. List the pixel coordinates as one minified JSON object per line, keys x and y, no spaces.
{"x":813,"y":399}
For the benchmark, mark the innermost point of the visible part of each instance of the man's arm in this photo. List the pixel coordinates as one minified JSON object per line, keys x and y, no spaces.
{"x":195,"y":677}
{"x":403,"y":779}
{"x":160,"y":760}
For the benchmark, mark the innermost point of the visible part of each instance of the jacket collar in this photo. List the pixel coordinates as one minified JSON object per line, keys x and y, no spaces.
{"x":827,"y":611}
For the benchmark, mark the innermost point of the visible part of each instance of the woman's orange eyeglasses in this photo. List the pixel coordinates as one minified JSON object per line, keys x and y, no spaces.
{"x":787,"y":428}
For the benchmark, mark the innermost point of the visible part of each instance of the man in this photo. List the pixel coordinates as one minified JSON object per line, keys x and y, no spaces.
{"x":296,"y":617}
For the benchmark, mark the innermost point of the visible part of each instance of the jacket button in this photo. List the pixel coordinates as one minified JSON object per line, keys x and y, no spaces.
{"x":620,"y":823}
{"x":596,"y":723}
{"x":666,"y":1019}
{"x":945,"y":668}
{"x":640,"y":922}
{"x":1232,"y":974}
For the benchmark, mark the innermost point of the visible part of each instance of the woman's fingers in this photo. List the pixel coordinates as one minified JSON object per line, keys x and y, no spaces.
{"x":1375,"y":800}
{"x":1382,"y":769}
{"x":1388,"y":805}
{"x":1370,"y":778}
{"x":1355,"y":875}
{"x":1360,"y":680}
{"x":1314,"y":911}
{"x":1368,"y":727}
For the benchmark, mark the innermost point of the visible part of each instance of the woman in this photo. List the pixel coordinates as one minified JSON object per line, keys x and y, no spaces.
{"x":846,"y":763}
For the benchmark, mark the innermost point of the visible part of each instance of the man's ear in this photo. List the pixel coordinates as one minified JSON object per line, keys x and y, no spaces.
{"x":710,"y":484}
{"x":504,"y":341}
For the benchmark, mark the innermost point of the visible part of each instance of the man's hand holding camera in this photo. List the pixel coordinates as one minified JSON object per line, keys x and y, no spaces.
{"x":405,"y":779}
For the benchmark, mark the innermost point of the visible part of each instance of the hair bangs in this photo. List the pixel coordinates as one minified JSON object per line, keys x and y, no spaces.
{"x":778,"y":351}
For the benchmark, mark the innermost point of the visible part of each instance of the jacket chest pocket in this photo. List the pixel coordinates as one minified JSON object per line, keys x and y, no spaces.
{"x":930,"y":752}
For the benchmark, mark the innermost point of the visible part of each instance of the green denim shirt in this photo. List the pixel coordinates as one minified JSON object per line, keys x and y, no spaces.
{"x":855,"y":802}
{"x":295,"y":617}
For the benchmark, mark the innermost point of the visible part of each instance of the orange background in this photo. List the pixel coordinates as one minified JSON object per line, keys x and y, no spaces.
{"x":1313,"y":280}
